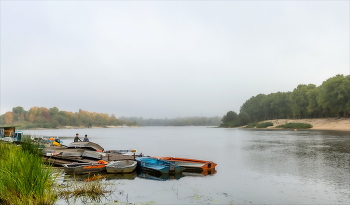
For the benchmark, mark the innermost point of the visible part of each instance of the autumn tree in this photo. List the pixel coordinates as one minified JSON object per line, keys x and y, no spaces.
{"x":8,"y":117}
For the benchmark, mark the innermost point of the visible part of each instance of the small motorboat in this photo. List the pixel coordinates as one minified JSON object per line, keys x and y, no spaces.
{"x":122,"y":166}
{"x":158,"y":165}
{"x":190,"y":164}
{"x":83,"y":168}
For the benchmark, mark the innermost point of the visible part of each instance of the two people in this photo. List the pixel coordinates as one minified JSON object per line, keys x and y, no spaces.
{"x":77,"y":139}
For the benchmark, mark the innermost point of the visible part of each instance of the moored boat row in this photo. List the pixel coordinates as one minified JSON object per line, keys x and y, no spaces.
{"x":81,"y":152}
{"x":145,"y":163}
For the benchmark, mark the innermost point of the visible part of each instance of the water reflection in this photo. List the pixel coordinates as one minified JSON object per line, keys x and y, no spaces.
{"x":204,"y":173}
{"x":139,"y":173}
{"x":129,"y":176}
{"x":159,"y":176}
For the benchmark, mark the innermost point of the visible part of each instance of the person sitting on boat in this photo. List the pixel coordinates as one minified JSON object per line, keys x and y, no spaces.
{"x":76,"y":138}
{"x":86,"y":139}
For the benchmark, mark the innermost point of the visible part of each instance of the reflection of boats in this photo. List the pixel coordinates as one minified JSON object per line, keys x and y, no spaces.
{"x":130,"y":176}
{"x":190,"y":164}
{"x":154,"y":164}
{"x":121,"y":166}
{"x":83,"y":168}
{"x":159,"y":176}
{"x":84,"y":177}
{"x":205,"y":172}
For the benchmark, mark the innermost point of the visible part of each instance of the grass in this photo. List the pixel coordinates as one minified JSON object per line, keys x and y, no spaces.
{"x":251,"y":125}
{"x":25,"y":180}
{"x":264,"y":125}
{"x":295,"y":126}
{"x":23,"y":177}
{"x":89,"y":190}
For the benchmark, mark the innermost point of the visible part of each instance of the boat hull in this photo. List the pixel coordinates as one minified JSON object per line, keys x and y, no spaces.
{"x":83,"y":168}
{"x":190,"y":164}
{"x":124,"y":166}
{"x":158,"y":165}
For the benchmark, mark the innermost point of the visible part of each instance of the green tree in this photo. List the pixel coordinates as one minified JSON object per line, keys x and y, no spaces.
{"x":335,"y":95}
{"x":300,"y":100}
{"x":244,"y":118}
{"x":53,"y":111}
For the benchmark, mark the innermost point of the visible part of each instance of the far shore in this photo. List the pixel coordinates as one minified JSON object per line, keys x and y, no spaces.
{"x":341,"y":124}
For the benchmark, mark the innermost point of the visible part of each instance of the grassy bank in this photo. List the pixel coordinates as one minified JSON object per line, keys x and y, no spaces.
{"x":23,"y":177}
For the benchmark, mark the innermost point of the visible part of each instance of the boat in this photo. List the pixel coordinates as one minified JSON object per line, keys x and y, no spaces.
{"x":190,"y":164}
{"x":85,"y":145}
{"x":83,"y":168}
{"x":84,"y":149}
{"x":122,"y":166}
{"x":158,"y":165}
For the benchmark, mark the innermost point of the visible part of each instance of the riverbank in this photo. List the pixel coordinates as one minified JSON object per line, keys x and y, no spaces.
{"x":342,"y":124}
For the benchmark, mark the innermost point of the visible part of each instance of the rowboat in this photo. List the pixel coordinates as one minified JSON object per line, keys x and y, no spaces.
{"x":158,"y":165}
{"x":122,"y":166}
{"x":84,"y":149}
{"x":190,"y":164}
{"x":83,"y":168}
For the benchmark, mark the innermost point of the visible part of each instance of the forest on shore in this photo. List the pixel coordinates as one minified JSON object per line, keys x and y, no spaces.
{"x":41,"y":117}
{"x":330,"y":99}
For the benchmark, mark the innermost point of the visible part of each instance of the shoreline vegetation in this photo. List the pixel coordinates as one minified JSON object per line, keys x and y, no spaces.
{"x":340,"y":124}
{"x":26,"y":179}
{"x":329,"y":100}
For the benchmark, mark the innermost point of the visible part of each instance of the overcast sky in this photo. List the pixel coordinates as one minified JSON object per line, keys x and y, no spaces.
{"x":166,"y":59}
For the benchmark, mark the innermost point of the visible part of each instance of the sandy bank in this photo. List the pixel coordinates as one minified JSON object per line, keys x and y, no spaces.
{"x":318,"y":124}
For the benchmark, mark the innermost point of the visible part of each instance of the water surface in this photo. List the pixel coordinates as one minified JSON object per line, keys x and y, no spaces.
{"x":254,"y":166}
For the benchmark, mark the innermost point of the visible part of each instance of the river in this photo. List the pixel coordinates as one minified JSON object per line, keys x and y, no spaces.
{"x":253,"y":166}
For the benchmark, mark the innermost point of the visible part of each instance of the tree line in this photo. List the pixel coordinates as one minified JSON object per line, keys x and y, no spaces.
{"x":187,"y":121}
{"x":41,"y":117}
{"x":330,"y":99}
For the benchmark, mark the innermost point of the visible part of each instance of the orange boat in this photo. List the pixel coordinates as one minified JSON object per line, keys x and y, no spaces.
{"x":190,"y":164}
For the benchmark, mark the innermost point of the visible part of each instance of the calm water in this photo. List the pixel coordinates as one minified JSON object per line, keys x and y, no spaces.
{"x":254,"y":166}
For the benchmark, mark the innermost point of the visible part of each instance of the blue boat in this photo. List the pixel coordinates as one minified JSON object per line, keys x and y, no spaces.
{"x":158,"y":165}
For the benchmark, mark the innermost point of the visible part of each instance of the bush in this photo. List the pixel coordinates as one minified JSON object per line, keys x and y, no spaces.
{"x":264,"y":125}
{"x":251,"y":125}
{"x":295,"y":126}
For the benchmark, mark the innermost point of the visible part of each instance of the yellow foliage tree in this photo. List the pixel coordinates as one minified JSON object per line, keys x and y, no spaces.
{"x":8,"y":117}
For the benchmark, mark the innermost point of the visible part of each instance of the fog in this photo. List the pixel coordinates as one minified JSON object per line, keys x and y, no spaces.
{"x":166,"y":59}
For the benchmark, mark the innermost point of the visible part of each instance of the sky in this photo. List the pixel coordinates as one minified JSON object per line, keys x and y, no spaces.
{"x":166,"y":59}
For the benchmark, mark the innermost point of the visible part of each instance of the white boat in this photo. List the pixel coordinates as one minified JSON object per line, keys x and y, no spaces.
{"x":122,"y":166}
